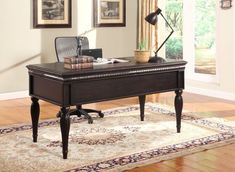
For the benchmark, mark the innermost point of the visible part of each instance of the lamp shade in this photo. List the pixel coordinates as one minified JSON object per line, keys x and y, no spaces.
{"x":152,"y":17}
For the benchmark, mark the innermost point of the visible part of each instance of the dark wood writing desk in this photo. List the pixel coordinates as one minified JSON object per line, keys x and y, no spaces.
{"x":65,"y":88}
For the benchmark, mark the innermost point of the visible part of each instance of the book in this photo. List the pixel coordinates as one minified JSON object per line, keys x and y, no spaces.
{"x":78,"y":65}
{"x":78,"y":59}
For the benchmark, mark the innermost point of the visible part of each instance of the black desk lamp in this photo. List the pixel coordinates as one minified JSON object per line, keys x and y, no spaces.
{"x":152,"y":19}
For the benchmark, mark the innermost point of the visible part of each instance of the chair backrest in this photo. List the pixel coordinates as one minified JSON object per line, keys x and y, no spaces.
{"x":68,"y":46}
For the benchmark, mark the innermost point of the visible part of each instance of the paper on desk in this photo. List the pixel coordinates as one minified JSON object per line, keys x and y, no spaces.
{"x":100,"y":61}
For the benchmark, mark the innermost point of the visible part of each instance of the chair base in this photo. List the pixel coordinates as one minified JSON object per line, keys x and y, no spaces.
{"x":79,"y":112}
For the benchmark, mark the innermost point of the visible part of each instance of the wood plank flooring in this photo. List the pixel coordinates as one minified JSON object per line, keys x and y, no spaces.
{"x":220,"y":159}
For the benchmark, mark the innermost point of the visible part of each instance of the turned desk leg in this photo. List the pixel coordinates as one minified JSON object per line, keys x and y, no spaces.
{"x":178,"y":108}
{"x":64,"y":126}
{"x":142,"y":103}
{"x":35,"y":111}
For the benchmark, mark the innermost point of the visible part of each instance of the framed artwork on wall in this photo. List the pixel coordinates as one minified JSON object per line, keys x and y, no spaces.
{"x":109,"y":13}
{"x":52,"y":13}
{"x":226,"y":4}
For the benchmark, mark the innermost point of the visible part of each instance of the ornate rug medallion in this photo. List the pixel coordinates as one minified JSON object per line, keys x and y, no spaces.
{"x":93,"y":136}
{"x":116,"y":142}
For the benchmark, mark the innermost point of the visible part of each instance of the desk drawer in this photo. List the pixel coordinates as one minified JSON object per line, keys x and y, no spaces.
{"x":50,"y":90}
{"x":107,"y":89}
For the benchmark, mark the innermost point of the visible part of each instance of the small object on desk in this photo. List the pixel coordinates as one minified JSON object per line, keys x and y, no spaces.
{"x":76,"y":66}
{"x":142,"y":56}
{"x":100,"y":61}
{"x":96,"y":52}
{"x":72,"y":59}
{"x":78,"y":59}
{"x":79,"y":62}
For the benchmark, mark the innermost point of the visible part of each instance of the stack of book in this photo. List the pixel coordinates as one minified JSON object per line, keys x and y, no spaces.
{"x":78,"y":62}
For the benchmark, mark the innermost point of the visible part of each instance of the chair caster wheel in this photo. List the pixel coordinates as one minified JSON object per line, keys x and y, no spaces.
{"x":90,"y":121}
{"x":101,"y":115}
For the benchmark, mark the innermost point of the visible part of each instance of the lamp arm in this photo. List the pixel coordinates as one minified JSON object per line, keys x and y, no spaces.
{"x":79,"y":41}
{"x":172,"y":30}
{"x":167,"y":22}
{"x":79,"y":46}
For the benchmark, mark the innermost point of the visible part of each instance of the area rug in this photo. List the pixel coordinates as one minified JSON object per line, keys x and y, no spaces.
{"x":116,"y":142}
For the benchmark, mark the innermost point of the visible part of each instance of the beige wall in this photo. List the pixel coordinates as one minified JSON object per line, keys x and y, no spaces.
{"x":120,"y":42}
{"x":20,"y":44}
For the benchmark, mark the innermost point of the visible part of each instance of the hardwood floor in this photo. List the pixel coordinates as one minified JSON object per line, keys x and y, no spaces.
{"x":219,"y":159}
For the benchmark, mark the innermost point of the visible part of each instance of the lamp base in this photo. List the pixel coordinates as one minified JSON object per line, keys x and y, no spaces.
{"x":156,"y":59}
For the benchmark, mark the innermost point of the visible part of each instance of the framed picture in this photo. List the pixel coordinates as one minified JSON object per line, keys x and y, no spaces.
{"x":226,"y":4}
{"x":109,"y":13}
{"x":52,"y":14}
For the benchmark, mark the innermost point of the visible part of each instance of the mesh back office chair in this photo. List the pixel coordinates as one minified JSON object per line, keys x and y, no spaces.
{"x":67,"y":47}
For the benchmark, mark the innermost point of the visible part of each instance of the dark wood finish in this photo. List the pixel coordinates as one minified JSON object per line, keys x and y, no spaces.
{"x":123,"y":85}
{"x":65,"y":88}
{"x":178,"y":108}
{"x":35,"y":110}
{"x":64,"y":126}
{"x":96,"y":24}
{"x":142,"y":103}
{"x":36,"y":17}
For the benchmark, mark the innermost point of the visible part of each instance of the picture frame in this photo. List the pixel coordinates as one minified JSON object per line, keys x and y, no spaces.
{"x":109,"y":13}
{"x":52,"y":13}
{"x":226,"y":4}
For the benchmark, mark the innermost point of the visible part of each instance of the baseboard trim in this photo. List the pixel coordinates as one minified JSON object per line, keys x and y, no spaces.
{"x":14,"y":95}
{"x":211,"y":93}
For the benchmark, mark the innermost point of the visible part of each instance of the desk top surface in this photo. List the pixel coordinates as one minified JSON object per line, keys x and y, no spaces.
{"x":58,"y":69}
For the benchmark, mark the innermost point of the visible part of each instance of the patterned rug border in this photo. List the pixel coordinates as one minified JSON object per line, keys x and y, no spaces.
{"x":226,"y":136}
{"x":132,"y":164}
{"x":159,"y":154}
{"x":148,"y":157}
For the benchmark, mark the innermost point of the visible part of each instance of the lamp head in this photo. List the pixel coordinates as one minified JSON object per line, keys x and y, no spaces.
{"x":152,"y":17}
